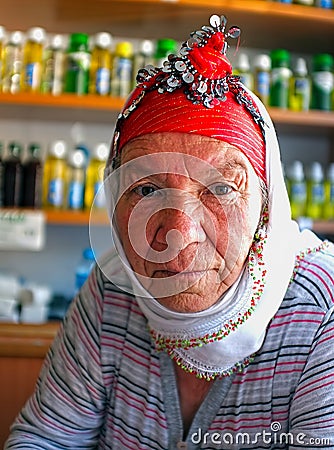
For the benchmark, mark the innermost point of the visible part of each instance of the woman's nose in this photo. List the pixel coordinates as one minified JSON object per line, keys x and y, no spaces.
{"x":179,"y":227}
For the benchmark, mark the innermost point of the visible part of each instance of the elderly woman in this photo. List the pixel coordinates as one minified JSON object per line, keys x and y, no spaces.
{"x":211,"y":323}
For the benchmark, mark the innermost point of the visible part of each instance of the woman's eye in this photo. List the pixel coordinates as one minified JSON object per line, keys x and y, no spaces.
{"x":145,"y":190}
{"x":220,"y":189}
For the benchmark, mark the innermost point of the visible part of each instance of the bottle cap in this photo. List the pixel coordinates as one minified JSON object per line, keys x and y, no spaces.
{"x":280,"y":58}
{"x":300,"y":67}
{"x":242,"y":62}
{"x":58,"y":149}
{"x":59,"y":42}
{"x":262,"y":62}
{"x":296,"y":171}
{"x":78,"y":42}
{"x":316,"y":172}
{"x":124,"y":49}
{"x":146,"y":47}
{"x":15,"y":148}
{"x":36,"y":34}
{"x":101,"y":151}
{"x":77,"y":159}
{"x":34,"y":149}
{"x":323,"y":61}
{"x":16,"y":38}
{"x":164,"y":47}
{"x":103,"y":40}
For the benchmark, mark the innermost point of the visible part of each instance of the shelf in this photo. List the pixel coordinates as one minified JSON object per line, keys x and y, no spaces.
{"x":76,"y":218}
{"x":92,"y":108}
{"x":264,"y":24}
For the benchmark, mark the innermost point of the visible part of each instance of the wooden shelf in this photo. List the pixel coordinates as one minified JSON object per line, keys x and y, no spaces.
{"x":76,"y":218}
{"x":96,"y":109}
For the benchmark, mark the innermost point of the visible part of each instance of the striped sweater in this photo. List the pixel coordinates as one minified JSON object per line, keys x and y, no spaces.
{"x":104,"y":386}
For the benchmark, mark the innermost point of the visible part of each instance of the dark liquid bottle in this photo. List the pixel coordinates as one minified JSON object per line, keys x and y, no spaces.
{"x":12,"y":174}
{"x":32,"y":179}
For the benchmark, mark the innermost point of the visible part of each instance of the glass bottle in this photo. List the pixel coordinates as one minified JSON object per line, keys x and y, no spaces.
{"x":12,"y":63}
{"x":122,"y":68}
{"x":297,"y":189}
{"x":329,"y":193}
{"x":322,"y":82}
{"x":262,"y":67}
{"x":55,"y":175}
{"x":78,"y":64}
{"x":143,"y":57}
{"x":32,"y":173}
{"x":315,"y":191}
{"x":31,"y":74}
{"x":280,"y":78}
{"x":76,"y":180}
{"x":54,"y":61}
{"x":243,"y":70}
{"x":300,"y":87}
{"x":12,"y":175}
{"x":94,"y":192}
{"x":100,"y":67}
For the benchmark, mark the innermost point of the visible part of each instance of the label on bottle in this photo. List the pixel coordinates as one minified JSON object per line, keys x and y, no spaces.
{"x":317,"y":193}
{"x":32,"y":75}
{"x":262,"y":83}
{"x":100,"y":199}
{"x":102,"y":81}
{"x":56,"y":192}
{"x":328,"y":4}
{"x":75,"y":195}
{"x":122,"y":77}
{"x":324,"y":81}
{"x":298,"y":192}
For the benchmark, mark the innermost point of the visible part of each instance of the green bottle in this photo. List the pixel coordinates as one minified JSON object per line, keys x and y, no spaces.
{"x":315,"y":191}
{"x":163,"y":48}
{"x":322,"y":82}
{"x":78,"y":64}
{"x":280,"y":78}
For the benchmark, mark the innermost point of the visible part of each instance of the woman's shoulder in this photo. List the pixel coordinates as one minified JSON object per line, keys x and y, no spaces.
{"x":313,"y":276}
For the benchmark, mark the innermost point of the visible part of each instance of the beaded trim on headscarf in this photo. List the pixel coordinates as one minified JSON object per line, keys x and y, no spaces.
{"x":185,"y":70}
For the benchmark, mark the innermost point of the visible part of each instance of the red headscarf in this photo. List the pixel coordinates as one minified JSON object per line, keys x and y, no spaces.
{"x":195,"y":93}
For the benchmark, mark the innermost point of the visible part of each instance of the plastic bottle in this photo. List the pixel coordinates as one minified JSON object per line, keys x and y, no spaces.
{"x":300,"y":87}
{"x":143,"y":57}
{"x":280,"y":78}
{"x":76,"y":180}
{"x":94,"y":177}
{"x":242,"y":68}
{"x":315,"y":191}
{"x":54,"y":66}
{"x":31,"y":75}
{"x":163,"y":48}
{"x":297,"y":189}
{"x":262,"y":67}
{"x":12,"y":175}
{"x":328,"y":211}
{"x":55,"y":174}
{"x":322,"y":82}
{"x":32,"y":178}
{"x":327,"y":4}
{"x":122,"y":70}
{"x":84,"y":268}
{"x":12,"y":63}
{"x":78,"y":64}
{"x":100,"y":68}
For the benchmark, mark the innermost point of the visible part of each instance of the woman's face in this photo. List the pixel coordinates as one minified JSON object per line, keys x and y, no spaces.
{"x":186,"y":215}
